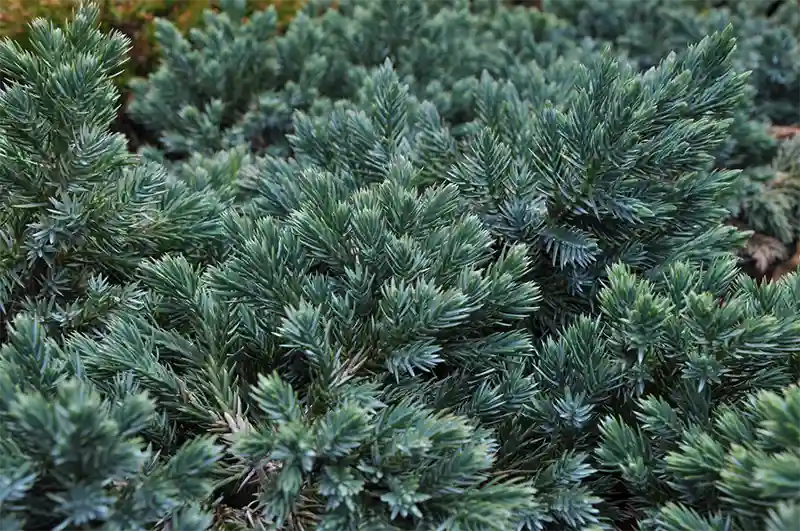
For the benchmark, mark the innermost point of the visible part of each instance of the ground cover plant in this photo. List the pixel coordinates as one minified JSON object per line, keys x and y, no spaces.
{"x":422,"y":265}
{"x":763,"y":142}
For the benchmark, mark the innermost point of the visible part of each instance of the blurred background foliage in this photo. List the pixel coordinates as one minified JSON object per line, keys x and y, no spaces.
{"x":134,"y":18}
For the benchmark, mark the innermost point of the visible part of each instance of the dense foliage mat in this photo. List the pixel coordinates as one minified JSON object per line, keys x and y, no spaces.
{"x":408,"y":265}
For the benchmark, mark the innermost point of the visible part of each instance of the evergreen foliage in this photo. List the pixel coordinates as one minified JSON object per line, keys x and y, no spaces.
{"x":768,"y":45}
{"x":234,"y":82}
{"x":411,"y":265}
{"x":614,"y":172}
{"x":570,"y":228}
{"x":78,"y":213}
{"x":72,"y":458}
{"x":692,"y":347}
{"x":206,"y":79}
{"x":737,"y":470}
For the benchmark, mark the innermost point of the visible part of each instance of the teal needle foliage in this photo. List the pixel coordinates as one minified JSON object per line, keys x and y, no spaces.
{"x":407,"y":266}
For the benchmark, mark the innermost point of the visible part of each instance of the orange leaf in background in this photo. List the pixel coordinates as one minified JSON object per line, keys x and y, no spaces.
{"x":784,"y":131}
{"x":788,"y":266}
